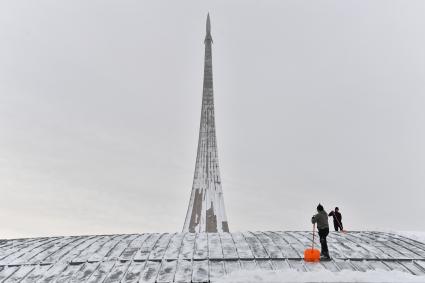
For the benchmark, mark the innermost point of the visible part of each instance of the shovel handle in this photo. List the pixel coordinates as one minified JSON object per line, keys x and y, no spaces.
{"x":339,"y":224}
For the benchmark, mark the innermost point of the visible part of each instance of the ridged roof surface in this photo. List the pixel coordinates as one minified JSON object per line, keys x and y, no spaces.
{"x":200,"y":257}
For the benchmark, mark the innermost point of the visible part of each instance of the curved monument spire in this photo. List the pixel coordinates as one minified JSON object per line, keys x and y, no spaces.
{"x":206,"y":211}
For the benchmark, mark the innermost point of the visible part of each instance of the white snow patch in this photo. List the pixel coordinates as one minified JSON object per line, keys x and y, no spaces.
{"x":293,"y":276}
{"x":414,"y":235}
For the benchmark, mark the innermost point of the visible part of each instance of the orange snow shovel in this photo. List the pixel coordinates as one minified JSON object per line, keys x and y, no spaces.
{"x":312,"y":255}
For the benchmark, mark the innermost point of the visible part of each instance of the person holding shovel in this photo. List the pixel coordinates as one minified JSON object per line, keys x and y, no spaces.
{"x":337,"y":219}
{"x":321,"y":218}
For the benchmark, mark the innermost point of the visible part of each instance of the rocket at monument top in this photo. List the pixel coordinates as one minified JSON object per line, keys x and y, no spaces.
{"x":208,"y":35}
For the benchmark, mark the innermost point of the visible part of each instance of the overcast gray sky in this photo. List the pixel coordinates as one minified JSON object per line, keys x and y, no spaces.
{"x":315,"y":101}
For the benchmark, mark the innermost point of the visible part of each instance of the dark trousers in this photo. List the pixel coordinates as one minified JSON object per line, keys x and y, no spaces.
{"x":337,"y":226}
{"x":323,"y":233}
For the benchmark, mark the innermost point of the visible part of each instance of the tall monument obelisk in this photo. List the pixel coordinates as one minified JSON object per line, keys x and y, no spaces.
{"x":206,"y":211}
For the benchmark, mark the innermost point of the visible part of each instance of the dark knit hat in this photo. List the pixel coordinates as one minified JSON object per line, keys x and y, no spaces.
{"x":320,"y":207}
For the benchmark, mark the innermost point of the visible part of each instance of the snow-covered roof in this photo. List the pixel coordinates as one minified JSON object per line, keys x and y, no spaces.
{"x":200,"y":257}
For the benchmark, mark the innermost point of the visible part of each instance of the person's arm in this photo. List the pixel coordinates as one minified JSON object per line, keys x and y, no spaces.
{"x":331,"y":213}
{"x":313,"y":219}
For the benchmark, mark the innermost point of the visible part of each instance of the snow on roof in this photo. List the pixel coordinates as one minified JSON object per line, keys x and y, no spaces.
{"x":200,"y":257}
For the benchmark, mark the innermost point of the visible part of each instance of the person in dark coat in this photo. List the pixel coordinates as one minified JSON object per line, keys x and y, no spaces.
{"x":321,"y":218}
{"x":337,"y":219}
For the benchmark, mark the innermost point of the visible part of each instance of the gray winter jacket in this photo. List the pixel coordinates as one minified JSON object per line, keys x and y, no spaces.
{"x":321,"y":219}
